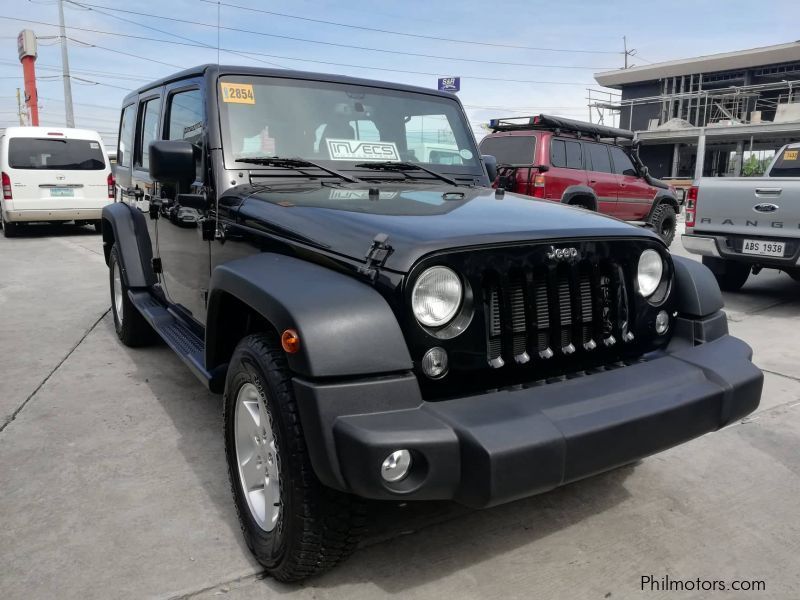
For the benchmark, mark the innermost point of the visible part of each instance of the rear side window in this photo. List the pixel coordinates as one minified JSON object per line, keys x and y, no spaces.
{"x":574,"y":155}
{"x":54,"y":153}
{"x":148,"y":131}
{"x":622,"y":162}
{"x":510,"y":149}
{"x":566,"y":153}
{"x":125,"y":145}
{"x":787,"y":164}
{"x":598,"y":154}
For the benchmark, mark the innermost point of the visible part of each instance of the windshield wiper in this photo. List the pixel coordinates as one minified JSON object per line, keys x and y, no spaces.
{"x":298,"y":164}
{"x":405,"y":166}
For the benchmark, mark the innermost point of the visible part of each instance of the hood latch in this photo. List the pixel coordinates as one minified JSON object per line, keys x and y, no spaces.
{"x":379,"y":251}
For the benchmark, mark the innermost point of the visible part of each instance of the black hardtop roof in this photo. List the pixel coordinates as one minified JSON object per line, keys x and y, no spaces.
{"x":214,"y":69}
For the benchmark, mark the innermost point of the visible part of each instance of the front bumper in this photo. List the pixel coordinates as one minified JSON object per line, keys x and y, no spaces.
{"x":501,"y":446}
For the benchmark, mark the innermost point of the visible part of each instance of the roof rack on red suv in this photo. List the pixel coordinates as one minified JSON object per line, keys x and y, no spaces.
{"x":560,"y":125}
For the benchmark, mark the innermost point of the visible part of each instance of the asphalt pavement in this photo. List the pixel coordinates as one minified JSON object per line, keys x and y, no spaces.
{"x":113,"y":482}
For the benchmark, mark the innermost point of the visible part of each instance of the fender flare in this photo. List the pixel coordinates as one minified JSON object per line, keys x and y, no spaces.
{"x":129,"y":232}
{"x":579,"y":190}
{"x":345,"y":326}
{"x":696,"y":289}
{"x":663,"y":197}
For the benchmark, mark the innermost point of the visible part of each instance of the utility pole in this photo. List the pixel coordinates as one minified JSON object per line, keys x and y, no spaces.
{"x":65,"y":67}
{"x":624,"y":45}
{"x":20,"y":112}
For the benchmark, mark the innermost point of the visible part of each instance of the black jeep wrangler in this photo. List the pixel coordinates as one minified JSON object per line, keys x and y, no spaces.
{"x":326,"y":252}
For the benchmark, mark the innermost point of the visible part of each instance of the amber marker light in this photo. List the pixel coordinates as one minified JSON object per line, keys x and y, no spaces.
{"x":290,"y":341}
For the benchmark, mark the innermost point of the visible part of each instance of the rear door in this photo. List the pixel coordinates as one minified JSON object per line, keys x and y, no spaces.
{"x":601,"y":177}
{"x":634,"y":194}
{"x":566,"y":167}
{"x":57,"y":171}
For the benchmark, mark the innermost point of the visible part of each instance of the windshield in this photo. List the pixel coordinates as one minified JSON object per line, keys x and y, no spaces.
{"x":787,"y":164}
{"x":349,"y":124}
{"x":510,"y":149}
{"x":52,"y":153}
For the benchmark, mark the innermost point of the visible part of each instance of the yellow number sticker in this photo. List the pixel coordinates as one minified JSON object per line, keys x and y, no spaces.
{"x":790,"y":155}
{"x":239,"y":93}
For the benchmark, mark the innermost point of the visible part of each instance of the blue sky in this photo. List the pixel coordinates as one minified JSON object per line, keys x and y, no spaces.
{"x":658,"y":31}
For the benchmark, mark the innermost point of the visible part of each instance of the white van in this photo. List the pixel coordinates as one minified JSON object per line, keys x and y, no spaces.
{"x":53,"y":174}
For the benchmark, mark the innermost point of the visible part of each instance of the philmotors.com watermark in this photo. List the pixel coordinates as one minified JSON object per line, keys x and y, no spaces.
{"x":651,"y":583}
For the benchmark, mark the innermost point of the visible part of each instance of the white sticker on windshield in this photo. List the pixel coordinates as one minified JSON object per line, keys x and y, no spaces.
{"x":363,"y":151}
{"x":465,"y":154}
{"x":94,"y":145}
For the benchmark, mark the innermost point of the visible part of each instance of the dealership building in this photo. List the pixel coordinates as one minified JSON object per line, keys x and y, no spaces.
{"x":722,"y":108}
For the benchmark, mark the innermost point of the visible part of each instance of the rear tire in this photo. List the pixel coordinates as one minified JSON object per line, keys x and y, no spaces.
{"x":10,"y":230}
{"x":663,"y":221}
{"x":295,"y":526}
{"x":730,"y":275}
{"x":131,"y":327}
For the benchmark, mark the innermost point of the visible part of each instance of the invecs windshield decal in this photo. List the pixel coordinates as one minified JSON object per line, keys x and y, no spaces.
{"x":363,"y":151}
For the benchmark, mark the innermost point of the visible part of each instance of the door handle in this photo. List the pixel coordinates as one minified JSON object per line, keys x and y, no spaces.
{"x":768,"y":191}
{"x":592,"y":181}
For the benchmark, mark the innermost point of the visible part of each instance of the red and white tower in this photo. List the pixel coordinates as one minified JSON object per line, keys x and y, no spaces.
{"x":26,"y":45}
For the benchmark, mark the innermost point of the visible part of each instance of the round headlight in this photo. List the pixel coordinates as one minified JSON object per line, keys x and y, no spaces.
{"x":651,"y":268}
{"x":436,"y":296}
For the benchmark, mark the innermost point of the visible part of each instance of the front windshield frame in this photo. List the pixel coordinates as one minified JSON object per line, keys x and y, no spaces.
{"x":457,"y":120}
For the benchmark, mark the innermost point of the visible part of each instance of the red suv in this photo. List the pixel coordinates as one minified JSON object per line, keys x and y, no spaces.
{"x":565,"y":161}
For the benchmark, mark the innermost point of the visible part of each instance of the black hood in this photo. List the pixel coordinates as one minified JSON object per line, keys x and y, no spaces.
{"x":419,"y":219}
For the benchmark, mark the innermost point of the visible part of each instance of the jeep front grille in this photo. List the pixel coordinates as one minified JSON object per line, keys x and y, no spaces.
{"x":536,"y":314}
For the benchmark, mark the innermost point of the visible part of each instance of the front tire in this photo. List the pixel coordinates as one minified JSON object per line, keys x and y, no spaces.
{"x":131,"y":327}
{"x":664,"y":222}
{"x":295,"y":526}
{"x":730,"y":275}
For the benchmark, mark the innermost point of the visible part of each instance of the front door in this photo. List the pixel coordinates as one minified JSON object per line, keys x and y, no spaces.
{"x":184,"y":254}
{"x":634,"y":195}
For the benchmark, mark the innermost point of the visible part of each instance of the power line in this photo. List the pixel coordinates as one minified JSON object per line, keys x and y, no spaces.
{"x":336,"y":44}
{"x":413,"y":35}
{"x":281,"y":57}
{"x":170,"y":33}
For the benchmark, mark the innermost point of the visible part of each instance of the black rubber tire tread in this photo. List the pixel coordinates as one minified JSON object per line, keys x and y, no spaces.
{"x":582,"y":202}
{"x":661,"y":214}
{"x":134,"y":331}
{"x":734,"y":276}
{"x":318,"y":526}
{"x":10,"y":230}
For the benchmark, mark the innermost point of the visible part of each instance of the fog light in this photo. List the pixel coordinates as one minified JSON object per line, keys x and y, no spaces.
{"x":434,"y":363}
{"x":662,"y":322}
{"x":396,"y":466}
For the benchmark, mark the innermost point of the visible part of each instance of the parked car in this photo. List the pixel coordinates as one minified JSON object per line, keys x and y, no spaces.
{"x":580,"y":164}
{"x":741,"y":225}
{"x":396,"y":330}
{"x":53,"y":174}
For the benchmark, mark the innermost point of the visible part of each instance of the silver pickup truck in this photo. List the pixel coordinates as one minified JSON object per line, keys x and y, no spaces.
{"x":744,"y":224}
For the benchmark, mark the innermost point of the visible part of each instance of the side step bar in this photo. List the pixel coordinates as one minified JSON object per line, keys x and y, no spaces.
{"x":178,"y":336}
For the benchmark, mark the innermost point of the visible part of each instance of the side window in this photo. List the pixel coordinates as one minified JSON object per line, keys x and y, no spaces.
{"x":574,"y":155}
{"x":598,"y":153}
{"x":622,"y":162}
{"x":185,"y":121}
{"x":125,"y":143}
{"x":558,"y":153}
{"x":147,"y":131}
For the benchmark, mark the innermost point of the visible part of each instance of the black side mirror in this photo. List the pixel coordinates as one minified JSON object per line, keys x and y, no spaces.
{"x":172,"y":161}
{"x":490,"y":162}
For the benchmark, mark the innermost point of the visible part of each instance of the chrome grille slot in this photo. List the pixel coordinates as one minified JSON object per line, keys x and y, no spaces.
{"x":540,"y":312}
